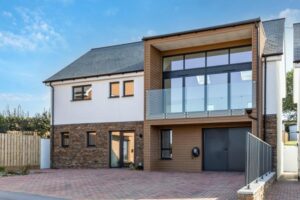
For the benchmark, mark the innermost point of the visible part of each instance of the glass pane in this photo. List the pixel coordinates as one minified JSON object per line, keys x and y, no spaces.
{"x":77,"y":93}
{"x":215,"y":58}
{"x":87,"y":92}
{"x":114,"y":90}
{"x":115,"y":149}
{"x":65,"y":137}
{"x":129,"y":88}
{"x":196,"y":60}
{"x":173,"y":63}
{"x":241,"y":55}
{"x":241,"y":89}
{"x":166,"y":139}
{"x":166,"y":154}
{"x":217,"y":92}
{"x":173,"y":95}
{"x":92,"y":139}
{"x":194,"y":93}
{"x":128,"y":148}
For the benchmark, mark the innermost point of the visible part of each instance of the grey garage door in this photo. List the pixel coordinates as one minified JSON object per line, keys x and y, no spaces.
{"x":224,"y":149}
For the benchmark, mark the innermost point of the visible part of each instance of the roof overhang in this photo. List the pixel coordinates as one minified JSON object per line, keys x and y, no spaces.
{"x":206,"y":36}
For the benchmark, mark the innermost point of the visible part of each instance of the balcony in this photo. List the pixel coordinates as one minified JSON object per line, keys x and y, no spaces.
{"x":202,"y":101}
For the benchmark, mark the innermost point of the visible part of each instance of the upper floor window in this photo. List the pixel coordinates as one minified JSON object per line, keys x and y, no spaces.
{"x":173,"y":63}
{"x":240,"y":55}
{"x":219,"y":57}
{"x":166,"y":144}
{"x":91,"y":139}
{"x":114,"y":89}
{"x":83,"y":92}
{"x":128,"y":87}
{"x":65,"y":139}
{"x":195,"y":60}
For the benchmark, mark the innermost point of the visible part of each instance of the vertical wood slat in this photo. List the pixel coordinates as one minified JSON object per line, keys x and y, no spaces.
{"x":17,"y":150}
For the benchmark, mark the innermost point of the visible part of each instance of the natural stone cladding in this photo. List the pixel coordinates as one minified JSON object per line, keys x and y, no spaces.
{"x":78,"y":155}
{"x":271,"y":137}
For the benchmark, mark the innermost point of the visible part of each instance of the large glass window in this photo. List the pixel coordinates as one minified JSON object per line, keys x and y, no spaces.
{"x":219,"y":57}
{"x":241,"y":89}
{"x":240,"y":55}
{"x":217,"y":91}
{"x":194,"y":93}
{"x":173,"y":95}
{"x":173,"y":63}
{"x":82,"y":92}
{"x":196,"y":60}
{"x":166,"y":144}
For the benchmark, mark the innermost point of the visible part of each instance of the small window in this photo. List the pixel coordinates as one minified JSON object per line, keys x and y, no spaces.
{"x":219,"y":57}
{"x":91,"y":139}
{"x":128,"y":87}
{"x":241,"y":55}
{"x":82,"y":92}
{"x":166,"y":144}
{"x":173,"y":63}
{"x":65,"y":141}
{"x":114,"y":90}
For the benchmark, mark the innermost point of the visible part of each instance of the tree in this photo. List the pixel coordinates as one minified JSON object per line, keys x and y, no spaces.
{"x":289,"y":108}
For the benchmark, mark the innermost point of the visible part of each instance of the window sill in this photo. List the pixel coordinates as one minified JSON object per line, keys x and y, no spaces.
{"x":64,"y":147}
{"x":91,"y":146}
{"x":128,"y":96}
{"x":114,"y":97}
{"x":166,"y":159}
{"x":81,"y":100}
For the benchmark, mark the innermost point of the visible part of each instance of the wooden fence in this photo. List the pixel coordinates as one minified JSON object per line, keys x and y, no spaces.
{"x":17,"y":150}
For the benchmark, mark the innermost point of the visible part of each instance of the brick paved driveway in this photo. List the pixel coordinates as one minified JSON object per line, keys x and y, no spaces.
{"x":284,"y":190}
{"x":126,"y":184}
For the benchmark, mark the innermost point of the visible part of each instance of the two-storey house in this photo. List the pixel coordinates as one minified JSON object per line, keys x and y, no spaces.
{"x":193,"y":95}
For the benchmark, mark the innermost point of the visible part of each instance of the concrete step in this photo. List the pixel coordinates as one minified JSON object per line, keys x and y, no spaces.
{"x":289,"y":176}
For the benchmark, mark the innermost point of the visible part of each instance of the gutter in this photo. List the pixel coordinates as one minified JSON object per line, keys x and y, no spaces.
{"x":258,"y":77}
{"x":52,"y":124}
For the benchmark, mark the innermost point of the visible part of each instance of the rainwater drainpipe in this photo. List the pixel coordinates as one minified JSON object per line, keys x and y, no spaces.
{"x":257,"y":82}
{"x":52,"y":125}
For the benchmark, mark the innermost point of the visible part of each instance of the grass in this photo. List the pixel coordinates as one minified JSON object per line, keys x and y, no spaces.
{"x":291,"y":143}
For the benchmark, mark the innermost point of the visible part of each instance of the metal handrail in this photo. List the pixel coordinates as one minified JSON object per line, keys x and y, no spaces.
{"x":258,"y":159}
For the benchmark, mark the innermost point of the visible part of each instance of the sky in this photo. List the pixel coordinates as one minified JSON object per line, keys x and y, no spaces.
{"x":40,"y":37}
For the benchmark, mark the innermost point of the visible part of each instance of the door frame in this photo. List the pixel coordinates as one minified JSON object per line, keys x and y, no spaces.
{"x":121,"y":162}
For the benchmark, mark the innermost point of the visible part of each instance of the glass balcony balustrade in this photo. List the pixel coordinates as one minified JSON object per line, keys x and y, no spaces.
{"x":201,"y":101}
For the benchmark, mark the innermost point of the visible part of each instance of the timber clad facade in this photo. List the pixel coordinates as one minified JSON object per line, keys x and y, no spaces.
{"x":193,"y":96}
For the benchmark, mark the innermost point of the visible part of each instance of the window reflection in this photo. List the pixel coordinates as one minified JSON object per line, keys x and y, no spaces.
{"x":217,"y":92}
{"x":215,"y":58}
{"x":240,"y":55}
{"x":194,"y":93}
{"x":241,"y":89}
{"x":173,"y":95}
{"x":196,"y":60}
{"x":173,"y":63}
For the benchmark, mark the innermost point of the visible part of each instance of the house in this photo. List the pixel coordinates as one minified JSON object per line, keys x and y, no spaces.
{"x":296,"y":42}
{"x":179,"y":102}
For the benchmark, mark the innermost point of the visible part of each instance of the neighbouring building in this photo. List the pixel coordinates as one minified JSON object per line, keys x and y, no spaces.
{"x":296,"y":41}
{"x":180,"y":101}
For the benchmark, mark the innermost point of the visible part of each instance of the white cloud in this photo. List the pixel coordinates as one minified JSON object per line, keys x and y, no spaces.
{"x":150,"y":32}
{"x":23,"y":97}
{"x":34,"y":33}
{"x":111,"y":12}
{"x":7,"y":14}
{"x":291,"y":15}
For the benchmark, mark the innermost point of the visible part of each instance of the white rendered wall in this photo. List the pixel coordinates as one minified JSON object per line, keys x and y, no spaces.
{"x":276,"y":91}
{"x":101,"y":108}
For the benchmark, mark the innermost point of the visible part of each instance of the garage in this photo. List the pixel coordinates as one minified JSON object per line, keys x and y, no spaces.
{"x":225,"y":149}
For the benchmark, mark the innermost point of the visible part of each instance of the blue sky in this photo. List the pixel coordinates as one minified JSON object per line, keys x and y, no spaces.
{"x":39,"y":37}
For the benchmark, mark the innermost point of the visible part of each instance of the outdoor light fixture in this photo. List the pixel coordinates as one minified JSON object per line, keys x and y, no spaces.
{"x":249,"y":112}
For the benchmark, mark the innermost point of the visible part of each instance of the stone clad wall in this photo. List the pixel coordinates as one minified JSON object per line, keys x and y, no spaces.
{"x":271,"y":137}
{"x":78,"y":155}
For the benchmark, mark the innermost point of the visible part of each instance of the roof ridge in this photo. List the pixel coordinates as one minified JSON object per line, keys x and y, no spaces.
{"x":277,"y":19}
{"x":116,"y":45}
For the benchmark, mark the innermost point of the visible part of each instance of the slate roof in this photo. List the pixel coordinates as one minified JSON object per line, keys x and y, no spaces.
{"x":117,"y":59}
{"x":125,"y":58}
{"x":274,"y":31}
{"x":297,"y":43}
